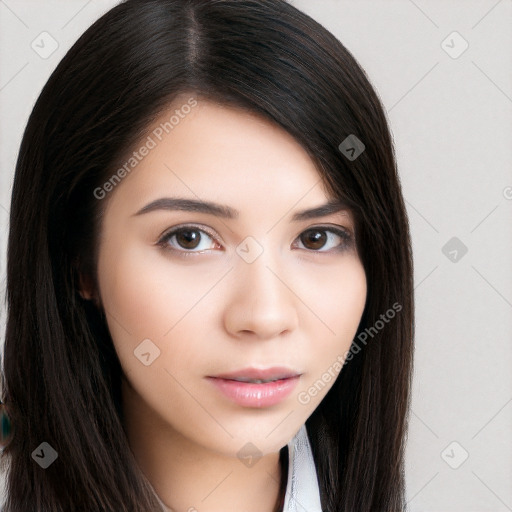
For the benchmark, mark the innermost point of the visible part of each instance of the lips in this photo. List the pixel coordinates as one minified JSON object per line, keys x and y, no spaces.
{"x":256,"y":387}
{"x":261,"y":374}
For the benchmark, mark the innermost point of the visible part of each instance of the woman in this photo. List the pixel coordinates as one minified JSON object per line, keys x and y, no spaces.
{"x":209,"y":272}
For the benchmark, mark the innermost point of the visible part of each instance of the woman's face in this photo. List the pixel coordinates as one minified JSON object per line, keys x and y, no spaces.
{"x":229,"y":294}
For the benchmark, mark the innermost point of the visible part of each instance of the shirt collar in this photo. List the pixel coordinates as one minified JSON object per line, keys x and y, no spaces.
{"x":302,"y":491}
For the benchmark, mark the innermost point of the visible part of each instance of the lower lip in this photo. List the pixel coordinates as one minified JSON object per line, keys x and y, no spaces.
{"x":249,"y":394}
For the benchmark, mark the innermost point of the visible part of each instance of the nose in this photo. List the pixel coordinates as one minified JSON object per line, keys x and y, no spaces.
{"x":262,"y":304}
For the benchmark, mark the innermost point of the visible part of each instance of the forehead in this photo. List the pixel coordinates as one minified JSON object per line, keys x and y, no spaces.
{"x":222,"y":154}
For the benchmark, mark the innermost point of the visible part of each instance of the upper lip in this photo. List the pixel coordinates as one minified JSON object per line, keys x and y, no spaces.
{"x":274,"y":372}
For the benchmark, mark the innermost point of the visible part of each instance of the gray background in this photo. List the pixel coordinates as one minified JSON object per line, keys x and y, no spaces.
{"x":450,"y":114}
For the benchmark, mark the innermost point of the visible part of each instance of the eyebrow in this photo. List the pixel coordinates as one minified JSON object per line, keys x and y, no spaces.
{"x":226,"y":212}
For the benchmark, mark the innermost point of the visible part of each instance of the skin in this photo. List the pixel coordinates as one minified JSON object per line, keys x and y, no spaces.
{"x":297,"y":304}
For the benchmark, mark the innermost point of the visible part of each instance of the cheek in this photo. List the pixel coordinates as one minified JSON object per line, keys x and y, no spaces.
{"x":339,"y":299}
{"x":131,"y":292}
{"x":146,"y":293}
{"x":150,"y":310}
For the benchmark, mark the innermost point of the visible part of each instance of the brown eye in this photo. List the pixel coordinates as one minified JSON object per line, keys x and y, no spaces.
{"x":185,"y":239}
{"x":315,"y":239}
{"x":188,"y":238}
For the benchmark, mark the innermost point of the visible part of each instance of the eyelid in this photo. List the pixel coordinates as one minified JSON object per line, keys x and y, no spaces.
{"x":179,"y":227}
{"x":328,"y":226}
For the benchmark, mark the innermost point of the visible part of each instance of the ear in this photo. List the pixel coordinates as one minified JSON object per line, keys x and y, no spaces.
{"x":88,"y":291}
{"x":85,"y":288}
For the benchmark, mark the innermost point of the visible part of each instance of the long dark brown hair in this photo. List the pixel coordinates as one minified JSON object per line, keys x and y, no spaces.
{"x":61,"y":375}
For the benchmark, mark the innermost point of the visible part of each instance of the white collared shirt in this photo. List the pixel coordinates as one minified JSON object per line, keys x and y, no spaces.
{"x":302,"y":491}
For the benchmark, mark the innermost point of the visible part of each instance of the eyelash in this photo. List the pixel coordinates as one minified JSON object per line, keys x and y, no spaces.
{"x":344,"y":234}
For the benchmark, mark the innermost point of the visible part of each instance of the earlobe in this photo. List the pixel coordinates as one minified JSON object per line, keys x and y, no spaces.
{"x":88,"y":292}
{"x":85,"y":287}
